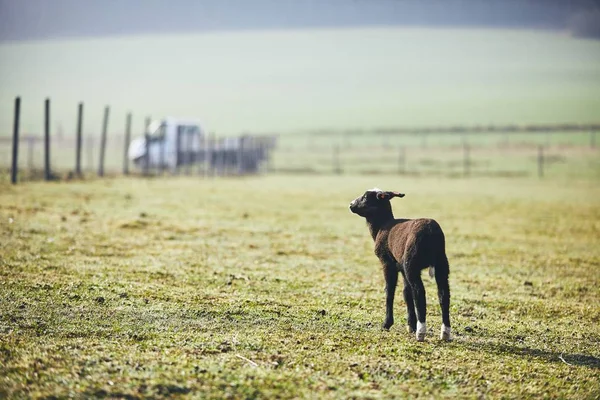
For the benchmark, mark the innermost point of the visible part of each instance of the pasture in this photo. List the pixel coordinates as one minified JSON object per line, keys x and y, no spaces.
{"x":267,"y":287}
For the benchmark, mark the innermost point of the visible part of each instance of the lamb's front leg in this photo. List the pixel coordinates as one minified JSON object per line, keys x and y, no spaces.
{"x":391,"y":280}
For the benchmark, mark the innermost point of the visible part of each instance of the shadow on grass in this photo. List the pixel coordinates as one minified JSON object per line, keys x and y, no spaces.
{"x":161,"y":390}
{"x":573,"y":359}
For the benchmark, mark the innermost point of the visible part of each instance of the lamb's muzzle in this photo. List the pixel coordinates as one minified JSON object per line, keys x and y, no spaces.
{"x":407,"y":246}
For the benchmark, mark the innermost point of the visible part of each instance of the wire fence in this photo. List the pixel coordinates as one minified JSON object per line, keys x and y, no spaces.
{"x":560,"y":150}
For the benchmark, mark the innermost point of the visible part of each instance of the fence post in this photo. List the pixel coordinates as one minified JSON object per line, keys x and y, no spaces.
{"x":161,"y":167}
{"x":191,"y":152}
{"x":212,"y":155}
{"x":126,"y":146}
{"x":541,"y":161}
{"x":402,"y":160}
{"x":466,"y":159}
{"x":147,"y":143}
{"x":103,"y":141}
{"x":241,"y":156}
{"x":15,"y":149}
{"x":202,"y":153}
{"x":337,"y":168}
{"x":78,"y":145}
{"x":47,"y":139}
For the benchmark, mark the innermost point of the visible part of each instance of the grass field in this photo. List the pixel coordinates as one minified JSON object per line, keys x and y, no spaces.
{"x":267,"y":287}
{"x":285,"y":81}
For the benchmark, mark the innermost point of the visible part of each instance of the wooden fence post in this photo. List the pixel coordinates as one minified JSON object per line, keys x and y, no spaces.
{"x":47,"y":139}
{"x":191,"y":152}
{"x":78,"y":144}
{"x":241,"y":156}
{"x":103,"y":141}
{"x":15,"y":149}
{"x":161,"y":167}
{"x":211,"y":156}
{"x":126,"y":146}
{"x":147,"y":142}
{"x":540,"y":161}
{"x":201,"y":153}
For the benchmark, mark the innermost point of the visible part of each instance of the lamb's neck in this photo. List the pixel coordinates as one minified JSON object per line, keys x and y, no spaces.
{"x":376,"y":223}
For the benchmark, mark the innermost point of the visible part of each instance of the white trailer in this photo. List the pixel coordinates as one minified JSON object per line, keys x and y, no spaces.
{"x":167,"y":143}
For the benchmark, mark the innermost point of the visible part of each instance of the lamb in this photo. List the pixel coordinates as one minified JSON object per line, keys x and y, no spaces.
{"x":408,"y":246}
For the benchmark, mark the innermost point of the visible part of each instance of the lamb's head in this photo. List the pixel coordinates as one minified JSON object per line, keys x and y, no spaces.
{"x":373,"y":202}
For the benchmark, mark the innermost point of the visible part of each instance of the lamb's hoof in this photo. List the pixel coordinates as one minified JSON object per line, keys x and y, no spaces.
{"x":410,"y":329}
{"x":387,"y":325}
{"x":446,"y":333}
{"x":421,"y":331}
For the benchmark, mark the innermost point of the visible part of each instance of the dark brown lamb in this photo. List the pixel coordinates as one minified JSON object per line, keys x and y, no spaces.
{"x":407,"y":246}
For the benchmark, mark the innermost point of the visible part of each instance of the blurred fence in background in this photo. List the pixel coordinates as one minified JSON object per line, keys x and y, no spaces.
{"x":557,"y":150}
{"x":569,"y":151}
{"x":54,"y":155}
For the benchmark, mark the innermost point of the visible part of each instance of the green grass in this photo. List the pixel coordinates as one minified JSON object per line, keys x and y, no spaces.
{"x":267,"y":287}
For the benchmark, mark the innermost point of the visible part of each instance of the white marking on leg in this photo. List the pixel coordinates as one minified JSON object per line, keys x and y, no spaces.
{"x":421,"y":331}
{"x":446,"y":333}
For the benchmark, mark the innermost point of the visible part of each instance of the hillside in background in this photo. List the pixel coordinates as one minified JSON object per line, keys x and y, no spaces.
{"x":40,"y":19}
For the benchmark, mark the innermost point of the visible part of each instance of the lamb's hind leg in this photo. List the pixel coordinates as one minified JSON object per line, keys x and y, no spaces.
{"x":410,"y":307}
{"x":441,"y":278}
{"x":418,"y":292}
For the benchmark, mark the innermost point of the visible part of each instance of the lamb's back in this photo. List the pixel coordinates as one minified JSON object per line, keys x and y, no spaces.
{"x":418,"y":239}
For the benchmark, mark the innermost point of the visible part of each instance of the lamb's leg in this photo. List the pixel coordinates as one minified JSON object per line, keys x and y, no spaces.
{"x":441,"y":278}
{"x":410,"y":307}
{"x":391,"y":280}
{"x":418,"y":291}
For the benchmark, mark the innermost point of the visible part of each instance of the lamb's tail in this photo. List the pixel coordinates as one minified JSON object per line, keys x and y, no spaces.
{"x":441,"y":267}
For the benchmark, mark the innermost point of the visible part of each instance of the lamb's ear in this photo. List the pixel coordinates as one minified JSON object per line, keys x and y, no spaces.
{"x":388,"y":195}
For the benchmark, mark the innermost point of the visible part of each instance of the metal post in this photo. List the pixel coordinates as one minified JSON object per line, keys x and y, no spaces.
{"x":78,"y":145}
{"x":126,"y":146}
{"x":47,"y":139}
{"x":15,"y":152}
{"x":103,"y":141}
